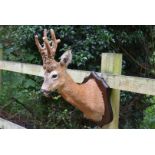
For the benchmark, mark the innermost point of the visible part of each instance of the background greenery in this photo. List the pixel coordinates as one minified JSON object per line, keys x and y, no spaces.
{"x":20,"y":98}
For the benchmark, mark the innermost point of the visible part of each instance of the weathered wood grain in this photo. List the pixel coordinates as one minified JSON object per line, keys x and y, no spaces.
{"x":112,"y":63}
{"x":4,"y":124}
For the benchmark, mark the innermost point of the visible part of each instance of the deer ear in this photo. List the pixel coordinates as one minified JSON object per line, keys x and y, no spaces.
{"x":66,"y":58}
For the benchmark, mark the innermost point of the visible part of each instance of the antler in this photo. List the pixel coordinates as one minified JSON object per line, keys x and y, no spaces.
{"x":51,"y":49}
{"x":47,"y":51}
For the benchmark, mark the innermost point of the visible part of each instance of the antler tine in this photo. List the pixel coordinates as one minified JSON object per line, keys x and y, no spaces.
{"x":45,"y":33}
{"x":44,"y":37}
{"x":56,"y":41}
{"x":51,"y":50}
{"x":37,"y":43}
{"x":41,"y":49}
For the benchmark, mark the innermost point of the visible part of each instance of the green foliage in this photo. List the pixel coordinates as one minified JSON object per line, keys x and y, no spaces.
{"x":149,"y":116}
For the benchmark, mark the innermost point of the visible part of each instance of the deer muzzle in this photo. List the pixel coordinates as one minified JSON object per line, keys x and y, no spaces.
{"x":45,"y":92}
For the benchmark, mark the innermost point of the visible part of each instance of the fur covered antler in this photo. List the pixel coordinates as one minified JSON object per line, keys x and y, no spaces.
{"x":51,"y":49}
{"x":47,"y":51}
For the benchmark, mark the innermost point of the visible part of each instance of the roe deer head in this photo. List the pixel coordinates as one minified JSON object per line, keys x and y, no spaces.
{"x":87,"y":97}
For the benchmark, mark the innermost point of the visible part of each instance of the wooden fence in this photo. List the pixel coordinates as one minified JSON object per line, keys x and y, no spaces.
{"x":110,"y":70}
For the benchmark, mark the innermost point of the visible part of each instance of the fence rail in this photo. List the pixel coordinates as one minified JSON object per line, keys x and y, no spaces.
{"x":120,"y":82}
{"x":4,"y":124}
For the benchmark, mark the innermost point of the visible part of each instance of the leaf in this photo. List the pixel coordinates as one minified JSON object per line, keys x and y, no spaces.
{"x":9,"y":50}
{"x":29,"y":83}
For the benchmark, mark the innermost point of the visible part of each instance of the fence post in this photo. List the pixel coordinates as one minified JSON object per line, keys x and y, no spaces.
{"x":112,"y":63}
{"x":1,"y":54}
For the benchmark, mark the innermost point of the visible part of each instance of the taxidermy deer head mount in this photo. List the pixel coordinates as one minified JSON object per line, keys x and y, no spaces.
{"x":87,"y":97}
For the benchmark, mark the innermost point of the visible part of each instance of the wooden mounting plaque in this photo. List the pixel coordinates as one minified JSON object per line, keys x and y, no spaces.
{"x":101,"y":83}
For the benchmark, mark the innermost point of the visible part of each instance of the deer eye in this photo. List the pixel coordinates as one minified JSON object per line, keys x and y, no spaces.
{"x":54,"y":76}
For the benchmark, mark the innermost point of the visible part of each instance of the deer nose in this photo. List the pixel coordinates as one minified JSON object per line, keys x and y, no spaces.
{"x":44,"y":91}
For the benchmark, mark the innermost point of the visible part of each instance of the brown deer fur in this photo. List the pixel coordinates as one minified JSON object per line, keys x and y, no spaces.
{"x":87,"y":97}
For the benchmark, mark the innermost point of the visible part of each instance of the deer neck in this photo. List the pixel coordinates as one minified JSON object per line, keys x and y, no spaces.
{"x":72,"y":92}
